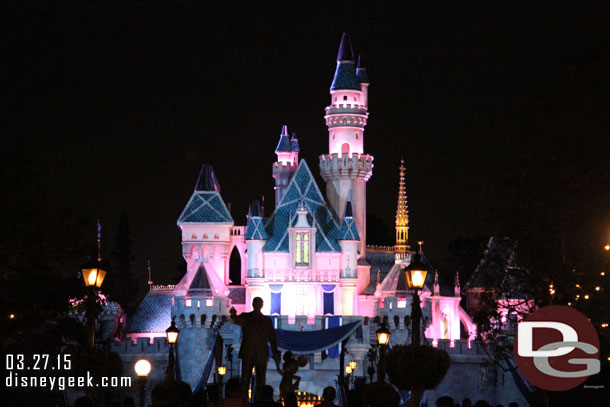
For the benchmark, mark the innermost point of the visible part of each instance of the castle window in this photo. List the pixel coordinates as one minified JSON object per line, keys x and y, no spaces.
{"x":302,"y":249}
{"x":194,"y":236}
{"x":205,"y":235}
{"x":355,"y":99}
{"x":215,"y":235}
{"x":344,"y":97}
{"x":345,"y":148}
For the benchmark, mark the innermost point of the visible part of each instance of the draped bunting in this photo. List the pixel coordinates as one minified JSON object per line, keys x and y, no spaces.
{"x":314,"y":341}
{"x":328,"y":288}
{"x":205,"y":375}
{"x":275,"y":288}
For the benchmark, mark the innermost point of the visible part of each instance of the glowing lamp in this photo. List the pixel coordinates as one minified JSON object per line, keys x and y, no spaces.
{"x":172,"y":333}
{"x":93,"y":274}
{"x":142,"y":367}
{"x":11,"y":316}
{"x":348,"y":369}
{"x":222,"y":370}
{"x":416,"y":273}
{"x":383,"y":335}
{"x":607,"y":247}
{"x":353,"y":364}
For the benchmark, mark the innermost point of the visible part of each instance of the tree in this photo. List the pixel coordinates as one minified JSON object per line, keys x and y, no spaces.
{"x":416,"y":368}
{"x":124,"y":281}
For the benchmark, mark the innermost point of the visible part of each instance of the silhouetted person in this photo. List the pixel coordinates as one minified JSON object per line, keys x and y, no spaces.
{"x":257,"y":330}
{"x":329,"y":394}
{"x":482,"y":403}
{"x":444,"y":401}
{"x":513,"y":404}
{"x":266,"y":398}
{"x":466,"y":403}
{"x":159,"y":396}
{"x":233,"y":394}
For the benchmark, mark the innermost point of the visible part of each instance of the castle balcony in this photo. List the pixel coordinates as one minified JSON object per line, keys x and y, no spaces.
{"x":354,"y":166}
{"x":298,"y":275}
{"x":346,"y":108}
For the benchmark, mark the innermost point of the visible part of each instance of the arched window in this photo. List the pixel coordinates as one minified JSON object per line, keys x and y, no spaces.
{"x":345,"y":148}
{"x":235,"y":267}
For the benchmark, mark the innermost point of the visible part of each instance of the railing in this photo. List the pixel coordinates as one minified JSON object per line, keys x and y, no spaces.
{"x":379,"y":248}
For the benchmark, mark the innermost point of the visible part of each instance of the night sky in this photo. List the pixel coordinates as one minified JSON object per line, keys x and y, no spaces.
{"x":117,"y":104}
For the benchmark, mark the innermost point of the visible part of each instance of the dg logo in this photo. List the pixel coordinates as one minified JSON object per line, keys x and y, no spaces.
{"x":557,"y":348}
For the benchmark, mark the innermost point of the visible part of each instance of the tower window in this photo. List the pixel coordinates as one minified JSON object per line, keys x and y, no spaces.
{"x":345,"y":148}
{"x":302,"y":252}
{"x":344,"y":97}
{"x":355,"y":99}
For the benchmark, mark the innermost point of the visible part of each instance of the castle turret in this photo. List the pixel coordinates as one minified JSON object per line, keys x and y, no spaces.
{"x":364,"y":81}
{"x":402,"y":219}
{"x":346,"y":168}
{"x":287,"y":152}
{"x":256,"y":237}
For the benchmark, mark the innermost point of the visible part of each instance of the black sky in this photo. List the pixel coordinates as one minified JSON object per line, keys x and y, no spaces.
{"x":117,"y":104}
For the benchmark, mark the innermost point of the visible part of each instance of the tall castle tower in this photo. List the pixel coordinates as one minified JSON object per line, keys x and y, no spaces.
{"x":346,"y":168}
{"x":287,"y":152}
{"x":402,"y":219}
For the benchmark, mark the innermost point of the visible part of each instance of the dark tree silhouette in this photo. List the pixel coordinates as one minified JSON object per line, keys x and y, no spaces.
{"x":124,"y":280}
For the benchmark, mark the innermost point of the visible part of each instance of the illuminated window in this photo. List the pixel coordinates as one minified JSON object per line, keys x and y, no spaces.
{"x":302,"y":249}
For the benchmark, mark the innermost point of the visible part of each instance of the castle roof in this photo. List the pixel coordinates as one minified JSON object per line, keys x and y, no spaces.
{"x":284,"y":145}
{"x":206,"y":181}
{"x":256,"y":229}
{"x":361,"y":72}
{"x":345,"y":73}
{"x":153,"y":313}
{"x":348,"y":229}
{"x":206,"y":204}
{"x":200,"y":283}
{"x":294,"y":143}
{"x":303,"y":187}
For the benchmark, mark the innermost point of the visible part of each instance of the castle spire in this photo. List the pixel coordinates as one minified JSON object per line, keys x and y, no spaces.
{"x":402,"y":218}
{"x":345,"y":53}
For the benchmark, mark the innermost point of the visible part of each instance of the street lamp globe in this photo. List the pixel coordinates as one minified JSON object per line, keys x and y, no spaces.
{"x":416,"y":273}
{"x":383,"y":335}
{"x":93,"y":273}
{"x":222,"y":370}
{"x":172,"y":333}
{"x":353,"y":364}
{"x":142,"y":367}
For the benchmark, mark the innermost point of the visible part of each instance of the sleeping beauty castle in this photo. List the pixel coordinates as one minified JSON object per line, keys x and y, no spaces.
{"x":326,"y":289}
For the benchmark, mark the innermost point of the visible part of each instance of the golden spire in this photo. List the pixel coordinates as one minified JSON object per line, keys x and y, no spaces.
{"x":402,"y":218}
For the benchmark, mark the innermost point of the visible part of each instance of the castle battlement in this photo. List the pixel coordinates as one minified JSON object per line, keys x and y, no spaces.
{"x":355,"y":166}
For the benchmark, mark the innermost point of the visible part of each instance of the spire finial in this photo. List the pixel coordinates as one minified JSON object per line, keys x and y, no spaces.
{"x":345,"y":52}
{"x":420,"y":243}
{"x":99,"y":241}
{"x":402,"y":217}
{"x":284,"y":130}
{"x":150,"y":282}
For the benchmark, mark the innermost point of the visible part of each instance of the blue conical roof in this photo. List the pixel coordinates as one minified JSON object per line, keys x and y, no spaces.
{"x":345,"y":73}
{"x":361,"y":71}
{"x":284,"y":145}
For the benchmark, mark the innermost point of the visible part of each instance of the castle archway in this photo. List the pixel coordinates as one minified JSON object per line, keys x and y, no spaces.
{"x":235,"y":267}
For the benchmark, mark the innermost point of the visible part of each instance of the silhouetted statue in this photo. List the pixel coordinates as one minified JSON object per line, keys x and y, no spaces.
{"x":257,"y":330}
{"x":288,"y":372}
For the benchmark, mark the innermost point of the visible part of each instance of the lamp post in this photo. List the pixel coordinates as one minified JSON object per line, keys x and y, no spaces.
{"x":222,"y":370}
{"x":348,"y":372}
{"x":383,"y":338}
{"x":142,"y":368}
{"x":172,"y":337}
{"x":416,"y":273}
{"x":93,"y":274}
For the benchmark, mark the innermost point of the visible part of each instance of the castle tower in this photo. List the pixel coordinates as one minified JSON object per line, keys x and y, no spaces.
{"x":402,"y":219}
{"x":287,"y":152}
{"x":346,"y":168}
